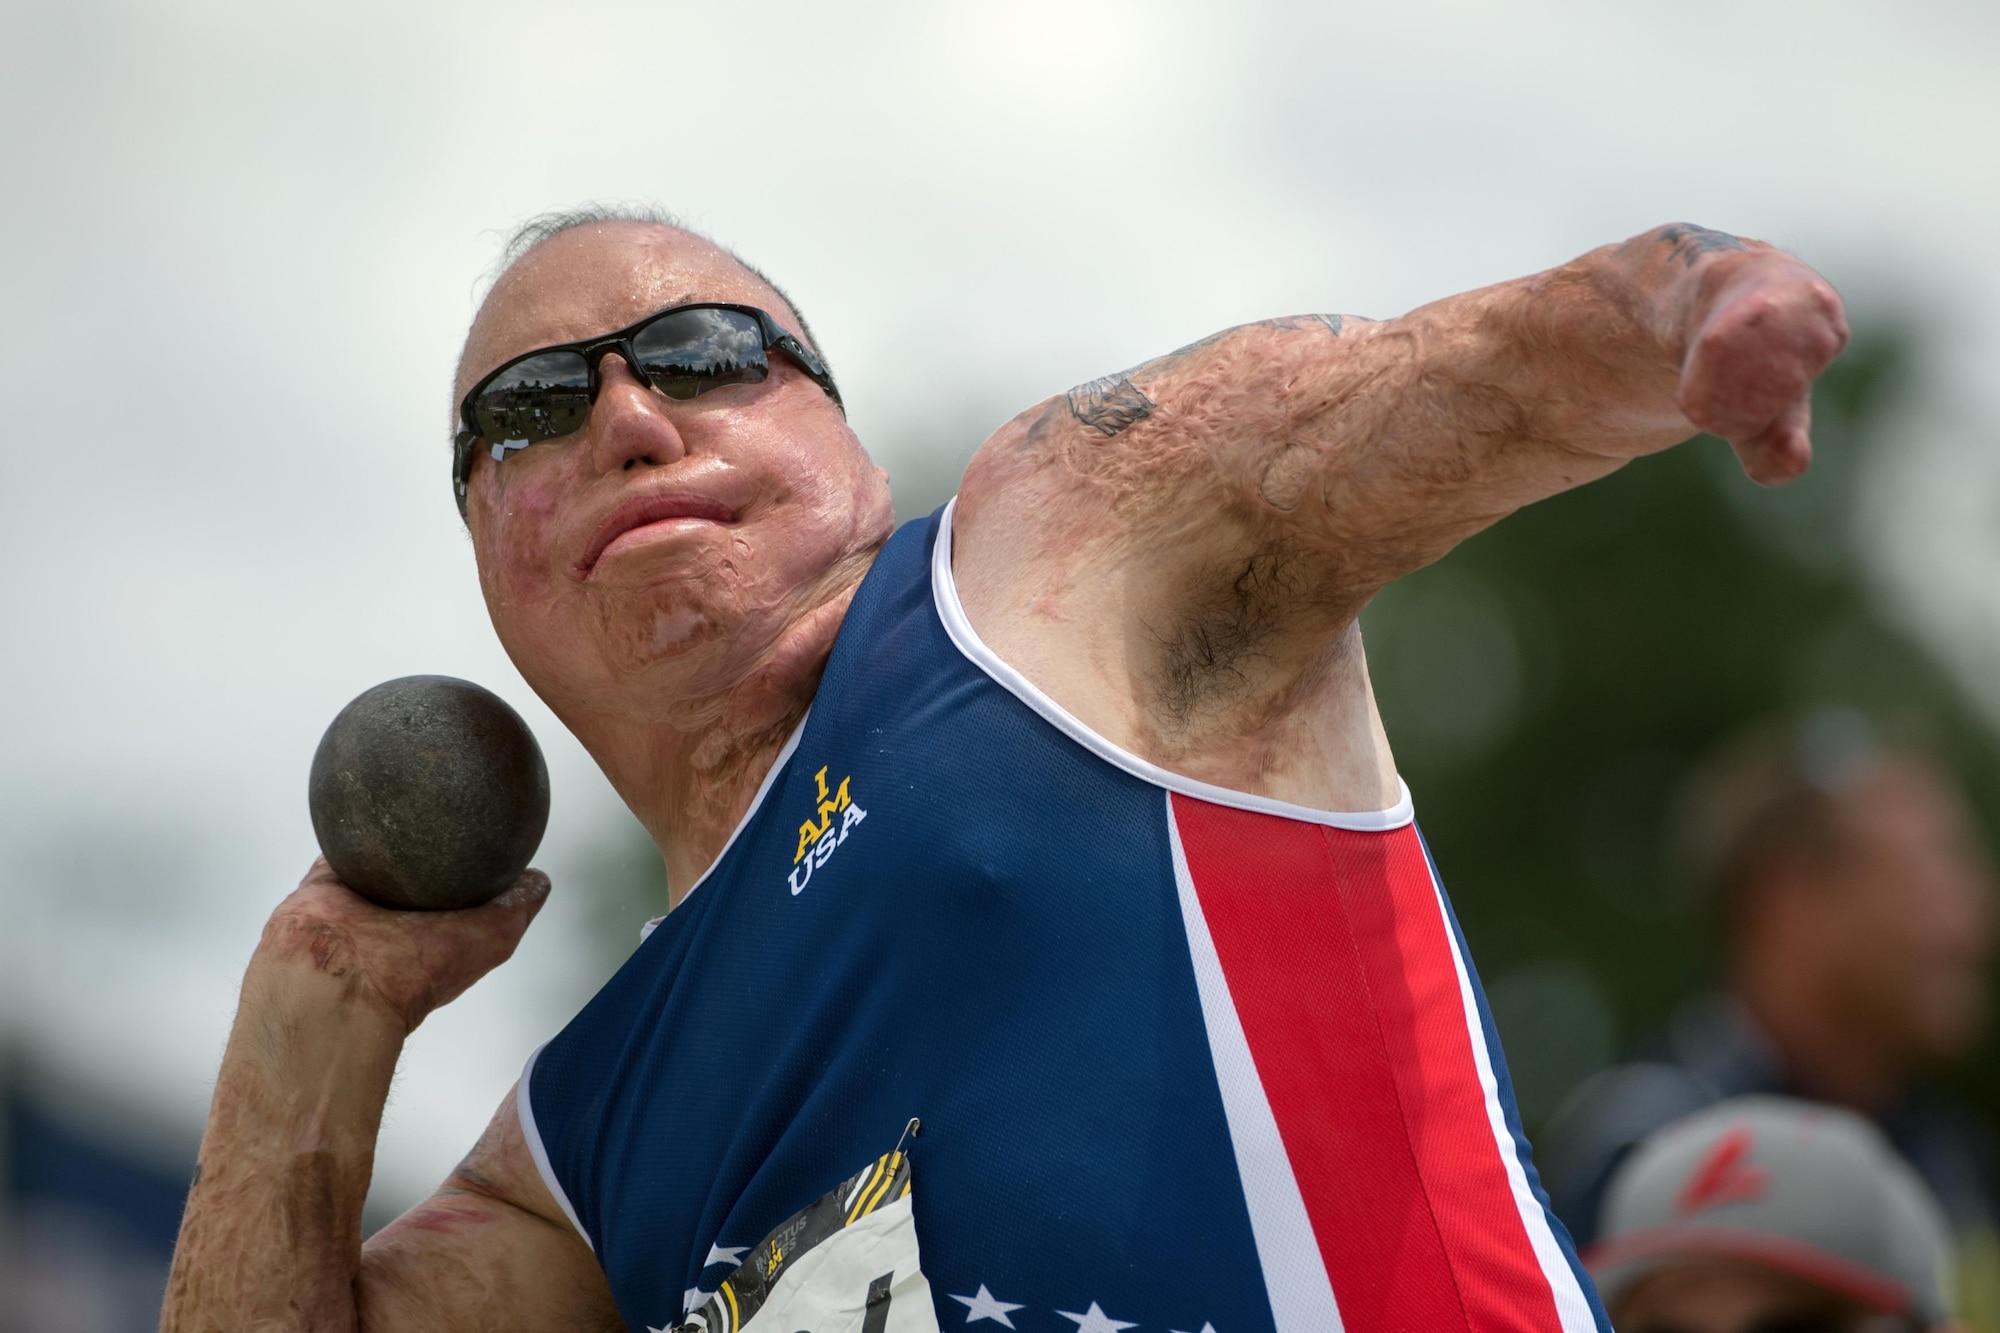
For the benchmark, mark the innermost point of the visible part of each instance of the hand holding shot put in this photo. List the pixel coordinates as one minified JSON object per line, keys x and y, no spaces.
{"x":431,"y":795}
{"x":1032,"y":820}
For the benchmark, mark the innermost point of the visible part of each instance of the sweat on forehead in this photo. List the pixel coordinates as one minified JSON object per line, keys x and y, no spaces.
{"x":596,"y":276}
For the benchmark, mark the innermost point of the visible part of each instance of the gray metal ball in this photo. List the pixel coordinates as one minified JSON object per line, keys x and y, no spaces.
{"x":428,"y":793}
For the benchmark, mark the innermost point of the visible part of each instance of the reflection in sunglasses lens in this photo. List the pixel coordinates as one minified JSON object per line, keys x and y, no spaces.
{"x":535,"y":399}
{"x":689,"y":351}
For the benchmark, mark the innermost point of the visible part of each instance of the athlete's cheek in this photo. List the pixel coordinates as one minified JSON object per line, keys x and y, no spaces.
{"x":796,"y":541}
{"x":523,"y":577}
{"x":520,"y":538}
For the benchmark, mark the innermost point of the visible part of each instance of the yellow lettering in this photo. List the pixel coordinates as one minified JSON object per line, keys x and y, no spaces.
{"x":808,"y":834}
{"x":830,"y":804}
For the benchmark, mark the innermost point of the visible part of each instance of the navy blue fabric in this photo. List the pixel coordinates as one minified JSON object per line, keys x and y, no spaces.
{"x":995,"y":947}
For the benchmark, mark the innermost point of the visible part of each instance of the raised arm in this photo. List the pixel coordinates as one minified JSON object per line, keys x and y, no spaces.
{"x":272,"y":1234}
{"x":1204,"y":529}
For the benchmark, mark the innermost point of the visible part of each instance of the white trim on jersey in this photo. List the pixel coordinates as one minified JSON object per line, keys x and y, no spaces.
{"x":524,"y":1108}
{"x":1572,"y":1305}
{"x":1295,"y":1276}
{"x":952,"y":612}
{"x":756,"y":803}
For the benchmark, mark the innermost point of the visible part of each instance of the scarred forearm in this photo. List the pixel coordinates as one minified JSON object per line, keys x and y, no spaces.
{"x":1371,"y":448}
{"x":272,"y":1233}
{"x":271,"y":1238}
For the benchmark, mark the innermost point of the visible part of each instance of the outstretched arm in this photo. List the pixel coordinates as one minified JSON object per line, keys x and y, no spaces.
{"x":272,"y":1234}
{"x":1204,"y":528}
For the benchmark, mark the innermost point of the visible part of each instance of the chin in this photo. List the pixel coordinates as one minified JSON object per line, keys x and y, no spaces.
{"x":658,"y":623}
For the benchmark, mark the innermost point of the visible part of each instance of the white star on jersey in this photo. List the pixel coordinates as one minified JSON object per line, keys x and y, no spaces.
{"x":983,"y":1306}
{"x":718,"y":1255}
{"x":1094,"y":1320}
{"x":1206,"y":1327}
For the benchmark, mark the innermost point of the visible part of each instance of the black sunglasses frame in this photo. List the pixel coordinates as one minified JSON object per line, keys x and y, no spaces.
{"x":776,"y":338}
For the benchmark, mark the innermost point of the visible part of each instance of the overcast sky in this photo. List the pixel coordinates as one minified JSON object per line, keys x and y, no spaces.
{"x":242,"y":242}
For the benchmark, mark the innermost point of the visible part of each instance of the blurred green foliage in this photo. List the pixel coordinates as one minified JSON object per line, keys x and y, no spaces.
{"x":1548,"y":687}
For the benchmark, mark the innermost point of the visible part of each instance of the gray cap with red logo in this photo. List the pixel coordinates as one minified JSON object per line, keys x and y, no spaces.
{"x":1809,"y":1190}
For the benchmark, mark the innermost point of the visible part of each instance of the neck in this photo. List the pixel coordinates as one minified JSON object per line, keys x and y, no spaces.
{"x":1829,"y":1052}
{"x":690,"y":779}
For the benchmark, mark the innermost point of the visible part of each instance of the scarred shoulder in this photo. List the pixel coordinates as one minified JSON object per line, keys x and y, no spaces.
{"x":1114,"y":544}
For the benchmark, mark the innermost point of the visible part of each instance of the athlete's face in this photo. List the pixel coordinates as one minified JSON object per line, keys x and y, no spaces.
{"x":1909,"y":913}
{"x":642,"y":567}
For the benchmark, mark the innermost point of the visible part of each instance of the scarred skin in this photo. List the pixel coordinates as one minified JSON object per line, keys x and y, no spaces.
{"x":1177,"y":554}
{"x":272,"y":1232}
{"x":1188,"y":580}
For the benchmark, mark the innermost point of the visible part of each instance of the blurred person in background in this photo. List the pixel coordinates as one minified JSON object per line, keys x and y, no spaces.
{"x":1769,"y":1215}
{"x":1855,"y":909}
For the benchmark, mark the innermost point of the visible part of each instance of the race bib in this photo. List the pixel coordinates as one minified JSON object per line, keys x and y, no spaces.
{"x":847,"y":1264}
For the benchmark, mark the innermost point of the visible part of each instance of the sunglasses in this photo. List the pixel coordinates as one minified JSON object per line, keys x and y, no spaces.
{"x":682,"y":351}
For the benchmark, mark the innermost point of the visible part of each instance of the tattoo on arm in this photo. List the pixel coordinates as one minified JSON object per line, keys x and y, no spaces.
{"x":1691,"y":241}
{"x":1113,"y":403}
{"x":1332,"y":323}
{"x":1110,"y":404}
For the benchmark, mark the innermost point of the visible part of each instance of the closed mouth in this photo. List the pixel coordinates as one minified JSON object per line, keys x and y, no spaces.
{"x":644,"y":512}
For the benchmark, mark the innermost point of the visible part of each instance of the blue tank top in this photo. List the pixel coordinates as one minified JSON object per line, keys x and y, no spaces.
{"x":1184,"y":1058}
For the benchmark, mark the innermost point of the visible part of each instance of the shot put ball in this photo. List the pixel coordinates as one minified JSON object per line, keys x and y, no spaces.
{"x":428,"y":793}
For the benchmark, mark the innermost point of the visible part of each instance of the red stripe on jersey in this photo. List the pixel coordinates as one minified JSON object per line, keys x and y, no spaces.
{"x":1340,"y":965}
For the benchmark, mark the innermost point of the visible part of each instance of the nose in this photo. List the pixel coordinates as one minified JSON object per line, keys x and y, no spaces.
{"x":629,"y":428}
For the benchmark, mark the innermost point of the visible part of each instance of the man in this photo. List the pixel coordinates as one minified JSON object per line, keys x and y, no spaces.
{"x":1768,"y":1215}
{"x":1053,"y":866}
{"x":1856,"y":908}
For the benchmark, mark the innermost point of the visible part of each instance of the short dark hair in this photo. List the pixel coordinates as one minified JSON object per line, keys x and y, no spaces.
{"x":1773,"y":792}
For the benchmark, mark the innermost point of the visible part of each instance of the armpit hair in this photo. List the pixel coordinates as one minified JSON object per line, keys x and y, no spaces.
{"x":1209,"y":657}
